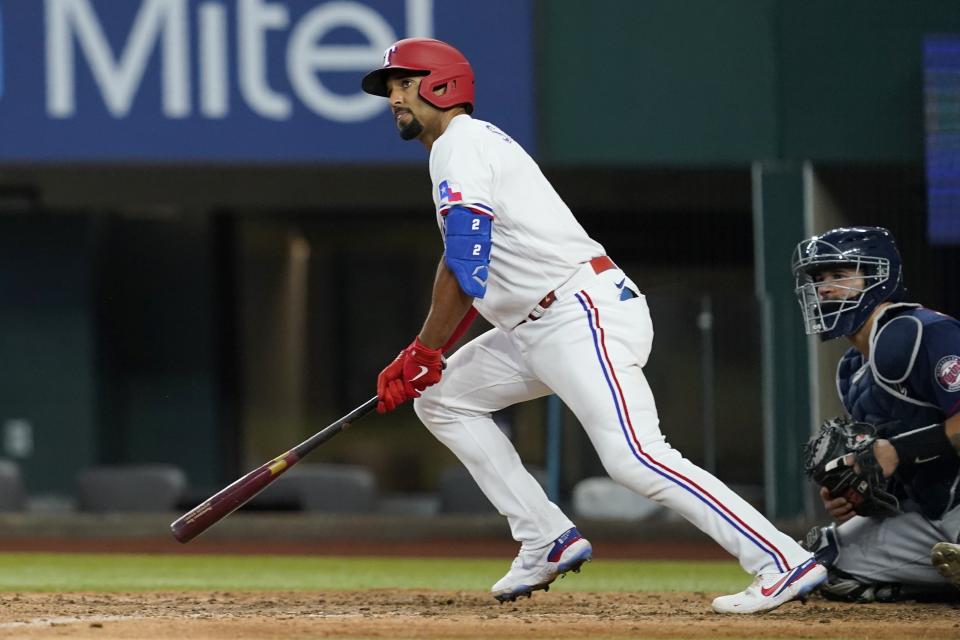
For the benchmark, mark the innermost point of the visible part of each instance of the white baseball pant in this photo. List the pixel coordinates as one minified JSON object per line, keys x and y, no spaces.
{"x":588,"y":348}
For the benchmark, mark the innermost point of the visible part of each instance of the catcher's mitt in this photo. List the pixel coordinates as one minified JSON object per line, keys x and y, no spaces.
{"x":861,"y":481}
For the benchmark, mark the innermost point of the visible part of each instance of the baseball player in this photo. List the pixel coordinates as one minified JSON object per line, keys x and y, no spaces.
{"x":901,"y":374}
{"x":566,"y":320}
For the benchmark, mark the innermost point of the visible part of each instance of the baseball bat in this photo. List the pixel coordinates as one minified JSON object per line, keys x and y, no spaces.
{"x":227,"y":500}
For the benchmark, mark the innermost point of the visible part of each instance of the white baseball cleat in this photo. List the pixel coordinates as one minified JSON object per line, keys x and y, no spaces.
{"x":770,"y":590}
{"x":535,"y":569}
{"x":945,"y":556}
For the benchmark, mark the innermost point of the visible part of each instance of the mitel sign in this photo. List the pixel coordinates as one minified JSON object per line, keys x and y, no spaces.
{"x":235,"y":80}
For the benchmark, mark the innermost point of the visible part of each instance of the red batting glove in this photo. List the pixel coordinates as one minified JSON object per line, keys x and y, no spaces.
{"x":390,"y":386}
{"x":422,"y":367}
{"x":416,"y":368}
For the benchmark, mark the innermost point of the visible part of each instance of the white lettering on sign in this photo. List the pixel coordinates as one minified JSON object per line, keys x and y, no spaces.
{"x":162,"y":27}
{"x":305,"y":56}
{"x":117,"y":80}
{"x":215,"y":81}
{"x":255,"y":18}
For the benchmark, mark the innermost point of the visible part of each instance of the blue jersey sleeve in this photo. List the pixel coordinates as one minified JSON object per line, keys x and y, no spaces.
{"x":468,"y":238}
{"x":939,"y":370}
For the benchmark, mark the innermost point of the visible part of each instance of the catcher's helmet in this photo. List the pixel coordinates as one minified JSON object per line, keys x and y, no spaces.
{"x":870,"y":250}
{"x":438,"y":61}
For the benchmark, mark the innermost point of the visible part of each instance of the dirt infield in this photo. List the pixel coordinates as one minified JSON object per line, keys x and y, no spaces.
{"x":435,"y":614}
{"x":430,"y":614}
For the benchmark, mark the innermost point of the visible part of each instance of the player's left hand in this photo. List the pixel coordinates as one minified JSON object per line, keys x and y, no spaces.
{"x":390,"y":386}
{"x":413,"y":370}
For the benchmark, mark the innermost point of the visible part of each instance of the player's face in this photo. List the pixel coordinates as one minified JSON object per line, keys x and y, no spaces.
{"x":410,"y":112}
{"x":840,"y":283}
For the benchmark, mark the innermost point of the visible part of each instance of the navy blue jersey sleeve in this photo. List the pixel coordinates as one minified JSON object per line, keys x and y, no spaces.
{"x":938,"y":370}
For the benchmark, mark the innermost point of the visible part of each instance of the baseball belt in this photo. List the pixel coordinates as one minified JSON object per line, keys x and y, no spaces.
{"x":599,"y":264}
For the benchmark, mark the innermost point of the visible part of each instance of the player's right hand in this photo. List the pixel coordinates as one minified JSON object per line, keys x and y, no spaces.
{"x":413,"y":370}
{"x":838,"y":508}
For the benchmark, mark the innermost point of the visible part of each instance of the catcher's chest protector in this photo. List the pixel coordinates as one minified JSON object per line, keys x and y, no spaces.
{"x":867,"y":401}
{"x":884,"y":390}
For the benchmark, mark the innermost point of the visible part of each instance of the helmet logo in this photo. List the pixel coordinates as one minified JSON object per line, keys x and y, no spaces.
{"x":388,"y":55}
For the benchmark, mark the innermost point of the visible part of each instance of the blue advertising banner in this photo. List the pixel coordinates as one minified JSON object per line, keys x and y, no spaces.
{"x":237,"y":80}
{"x":941,"y":72}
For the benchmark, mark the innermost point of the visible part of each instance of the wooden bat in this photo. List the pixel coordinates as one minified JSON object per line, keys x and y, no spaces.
{"x":227,"y":500}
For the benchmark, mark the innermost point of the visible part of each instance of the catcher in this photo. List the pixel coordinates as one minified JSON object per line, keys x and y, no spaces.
{"x":890,"y":474}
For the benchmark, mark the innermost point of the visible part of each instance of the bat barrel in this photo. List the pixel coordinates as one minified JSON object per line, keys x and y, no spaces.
{"x":226,"y":501}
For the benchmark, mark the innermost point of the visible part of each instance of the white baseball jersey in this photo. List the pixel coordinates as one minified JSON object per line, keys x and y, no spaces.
{"x":537,"y":243}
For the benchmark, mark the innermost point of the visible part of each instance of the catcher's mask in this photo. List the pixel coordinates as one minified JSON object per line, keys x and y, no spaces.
{"x":872,"y":252}
{"x":442,"y":64}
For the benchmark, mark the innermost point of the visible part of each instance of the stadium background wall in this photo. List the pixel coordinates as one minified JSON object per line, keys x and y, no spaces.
{"x":172,"y":311}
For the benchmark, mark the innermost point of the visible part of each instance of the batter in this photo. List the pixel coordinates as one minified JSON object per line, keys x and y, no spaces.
{"x":566,"y":320}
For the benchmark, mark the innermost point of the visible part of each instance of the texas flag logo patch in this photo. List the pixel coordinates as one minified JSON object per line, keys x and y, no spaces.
{"x":450,"y":192}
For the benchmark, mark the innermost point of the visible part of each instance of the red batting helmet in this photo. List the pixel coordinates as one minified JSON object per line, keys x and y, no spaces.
{"x":439,"y":62}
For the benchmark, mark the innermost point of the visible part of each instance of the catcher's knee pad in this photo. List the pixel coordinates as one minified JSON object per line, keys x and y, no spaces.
{"x":824,"y":543}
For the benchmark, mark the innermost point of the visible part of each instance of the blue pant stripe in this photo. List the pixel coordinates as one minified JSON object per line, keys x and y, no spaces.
{"x":643,"y":461}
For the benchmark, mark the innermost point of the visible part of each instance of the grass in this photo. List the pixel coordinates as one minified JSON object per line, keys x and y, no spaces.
{"x":129,"y":572}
